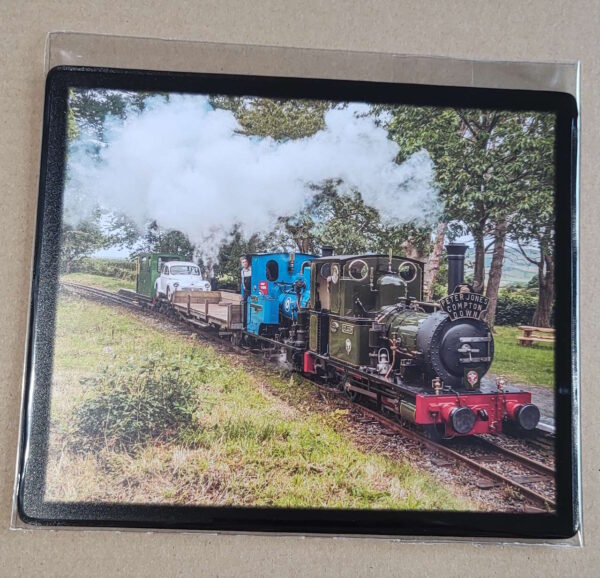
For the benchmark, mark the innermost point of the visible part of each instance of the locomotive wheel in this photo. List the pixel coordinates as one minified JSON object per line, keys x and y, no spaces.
{"x":350,"y":394}
{"x":436,"y":432}
{"x":332,"y":377}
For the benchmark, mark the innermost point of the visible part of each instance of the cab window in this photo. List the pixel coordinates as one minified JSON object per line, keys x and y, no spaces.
{"x":326,"y":271}
{"x":407,"y":271}
{"x":358,"y":270}
{"x":272,"y":270}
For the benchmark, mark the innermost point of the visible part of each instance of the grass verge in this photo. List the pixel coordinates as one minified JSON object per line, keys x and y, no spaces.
{"x":244,"y":446}
{"x":99,"y":281}
{"x":532,"y":365}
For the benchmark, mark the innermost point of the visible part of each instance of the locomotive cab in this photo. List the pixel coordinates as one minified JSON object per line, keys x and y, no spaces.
{"x":279,"y":290}
{"x":347,"y":291}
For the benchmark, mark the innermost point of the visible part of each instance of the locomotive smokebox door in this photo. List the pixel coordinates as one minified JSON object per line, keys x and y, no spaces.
{"x":452,"y":348}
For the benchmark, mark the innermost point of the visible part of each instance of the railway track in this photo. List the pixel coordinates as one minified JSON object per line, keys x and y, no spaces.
{"x":495,"y":464}
{"x":534,"y":480}
{"x":85,"y":290}
{"x":130,"y":299}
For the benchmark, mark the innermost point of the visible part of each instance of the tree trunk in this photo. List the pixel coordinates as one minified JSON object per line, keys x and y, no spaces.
{"x":410,"y":250}
{"x":543,"y":311}
{"x":495,"y":274}
{"x":300,"y":239}
{"x":479,"y":272}
{"x":432,"y":266}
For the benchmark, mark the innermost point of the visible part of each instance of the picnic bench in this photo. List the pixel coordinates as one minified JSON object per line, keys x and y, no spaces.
{"x":531,"y":334}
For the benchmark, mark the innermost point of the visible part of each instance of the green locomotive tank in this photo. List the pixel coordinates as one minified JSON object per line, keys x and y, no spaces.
{"x":404,"y":323}
{"x":449,"y":349}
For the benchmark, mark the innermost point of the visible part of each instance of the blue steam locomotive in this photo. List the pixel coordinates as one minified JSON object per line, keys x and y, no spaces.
{"x":280,"y":288}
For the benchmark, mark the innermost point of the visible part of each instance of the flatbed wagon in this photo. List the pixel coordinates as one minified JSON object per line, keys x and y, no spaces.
{"x":220,"y":309}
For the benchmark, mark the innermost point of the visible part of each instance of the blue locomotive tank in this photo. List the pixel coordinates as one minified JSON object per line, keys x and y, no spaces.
{"x":280,"y":284}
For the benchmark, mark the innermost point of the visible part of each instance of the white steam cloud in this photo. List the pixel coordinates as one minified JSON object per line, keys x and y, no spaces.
{"x":184,"y":164}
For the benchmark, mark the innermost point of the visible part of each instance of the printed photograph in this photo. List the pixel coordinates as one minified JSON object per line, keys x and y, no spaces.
{"x":304,"y":304}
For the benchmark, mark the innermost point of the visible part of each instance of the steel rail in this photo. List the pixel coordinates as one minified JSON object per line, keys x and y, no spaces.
{"x":542,"y":469}
{"x":110,"y":295}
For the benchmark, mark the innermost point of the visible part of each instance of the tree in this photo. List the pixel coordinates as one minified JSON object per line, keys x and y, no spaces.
{"x":486,"y":164}
{"x":122,"y":231}
{"x":227,"y":269}
{"x":533,"y":223}
{"x":72,"y":127}
{"x":434,"y":261}
{"x":279,"y":119}
{"x":521,"y":155}
{"x":345,"y":222}
{"x":416,"y":128}
{"x":91,"y":107}
{"x":330,"y":218}
{"x":158,"y":240}
{"x":535,"y":226}
{"x":79,"y":241}
{"x":348,"y":224}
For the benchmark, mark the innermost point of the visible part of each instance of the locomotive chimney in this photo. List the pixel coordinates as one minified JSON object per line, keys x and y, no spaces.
{"x":326,"y":251}
{"x":456,"y":265}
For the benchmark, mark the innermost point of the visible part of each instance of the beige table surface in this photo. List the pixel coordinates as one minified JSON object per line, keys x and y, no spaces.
{"x":513,"y":30}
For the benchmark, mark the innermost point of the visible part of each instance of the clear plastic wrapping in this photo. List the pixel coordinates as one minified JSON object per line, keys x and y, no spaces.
{"x":100,"y":54}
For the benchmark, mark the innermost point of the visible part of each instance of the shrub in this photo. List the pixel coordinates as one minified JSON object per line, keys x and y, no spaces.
{"x":515,"y":307}
{"x":118,"y":268}
{"x":154,"y":398}
{"x":228,"y":282}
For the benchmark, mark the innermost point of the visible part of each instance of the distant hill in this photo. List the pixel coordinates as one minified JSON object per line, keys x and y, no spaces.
{"x":515,"y":270}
